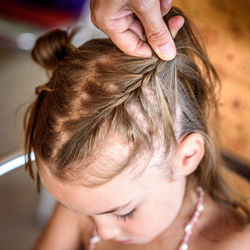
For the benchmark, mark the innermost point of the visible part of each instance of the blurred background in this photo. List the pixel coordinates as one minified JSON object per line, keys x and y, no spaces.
{"x":225,"y":28}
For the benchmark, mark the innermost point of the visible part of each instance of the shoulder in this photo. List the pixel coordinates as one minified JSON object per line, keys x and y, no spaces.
{"x":83,"y":225}
{"x":239,"y":240}
{"x":86,"y":229}
{"x":226,"y":229}
{"x":61,"y":231}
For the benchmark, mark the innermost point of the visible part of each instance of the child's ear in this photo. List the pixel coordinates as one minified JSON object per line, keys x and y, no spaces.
{"x":190,"y":153}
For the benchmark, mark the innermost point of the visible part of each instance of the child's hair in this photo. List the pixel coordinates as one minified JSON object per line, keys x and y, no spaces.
{"x":88,"y":94}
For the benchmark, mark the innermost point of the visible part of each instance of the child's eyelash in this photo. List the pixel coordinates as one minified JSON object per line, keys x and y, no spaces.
{"x":126,"y":216}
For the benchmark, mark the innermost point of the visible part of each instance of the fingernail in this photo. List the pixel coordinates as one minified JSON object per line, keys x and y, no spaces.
{"x":167,"y":51}
{"x":173,"y":33}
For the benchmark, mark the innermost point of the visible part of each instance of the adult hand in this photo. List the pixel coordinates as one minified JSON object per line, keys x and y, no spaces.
{"x":127,"y":22}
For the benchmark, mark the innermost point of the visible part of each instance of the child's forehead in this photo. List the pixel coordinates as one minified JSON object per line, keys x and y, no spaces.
{"x":112,"y":157}
{"x":120,"y":190}
{"x":140,"y":175}
{"x":139,"y":171}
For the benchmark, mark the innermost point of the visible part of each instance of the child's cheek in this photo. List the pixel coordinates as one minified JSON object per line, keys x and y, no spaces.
{"x":142,"y":227}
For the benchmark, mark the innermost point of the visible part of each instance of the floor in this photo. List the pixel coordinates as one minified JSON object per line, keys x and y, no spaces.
{"x":18,"y":225}
{"x":18,"y":196}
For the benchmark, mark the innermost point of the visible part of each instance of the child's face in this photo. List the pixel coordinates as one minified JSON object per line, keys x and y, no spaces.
{"x":153,"y":200}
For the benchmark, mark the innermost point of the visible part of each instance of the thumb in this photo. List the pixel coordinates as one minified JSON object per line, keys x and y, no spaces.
{"x":156,"y":30}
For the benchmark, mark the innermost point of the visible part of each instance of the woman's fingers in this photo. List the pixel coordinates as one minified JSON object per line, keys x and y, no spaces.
{"x":117,"y":19}
{"x":137,"y":28}
{"x":175,"y":23}
{"x":165,"y":6}
{"x":131,"y":42}
{"x":157,"y":33}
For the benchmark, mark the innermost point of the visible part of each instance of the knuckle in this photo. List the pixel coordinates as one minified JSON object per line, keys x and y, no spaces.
{"x":99,"y":22}
{"x":157,"y":36}
{"x":145,"y":6}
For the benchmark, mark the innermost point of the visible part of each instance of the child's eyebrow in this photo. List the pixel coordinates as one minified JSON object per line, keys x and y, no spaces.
{"x":115,"y":208}
{"x":106,"y":212}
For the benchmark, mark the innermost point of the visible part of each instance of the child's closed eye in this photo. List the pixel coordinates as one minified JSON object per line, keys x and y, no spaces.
{"x":126,"y":216}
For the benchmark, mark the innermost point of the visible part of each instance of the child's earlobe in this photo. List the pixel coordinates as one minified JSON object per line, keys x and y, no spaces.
{"x":190,"y":153}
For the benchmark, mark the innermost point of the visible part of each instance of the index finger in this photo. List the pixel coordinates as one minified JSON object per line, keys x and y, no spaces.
{"x":130,"y":43}
{"x":156,"y":30}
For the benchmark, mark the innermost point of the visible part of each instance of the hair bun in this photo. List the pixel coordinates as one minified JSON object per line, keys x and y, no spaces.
{"x":51,"y":48}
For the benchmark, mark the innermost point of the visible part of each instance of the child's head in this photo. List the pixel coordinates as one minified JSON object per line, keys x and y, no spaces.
{"x":108,"y":128}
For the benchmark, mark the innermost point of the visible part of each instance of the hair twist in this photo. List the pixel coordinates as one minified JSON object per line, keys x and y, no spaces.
{"x":51,"y":48}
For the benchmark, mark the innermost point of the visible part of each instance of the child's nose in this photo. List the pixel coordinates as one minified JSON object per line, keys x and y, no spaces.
{"x":108,"y":233}
{"x":107,"y":229}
